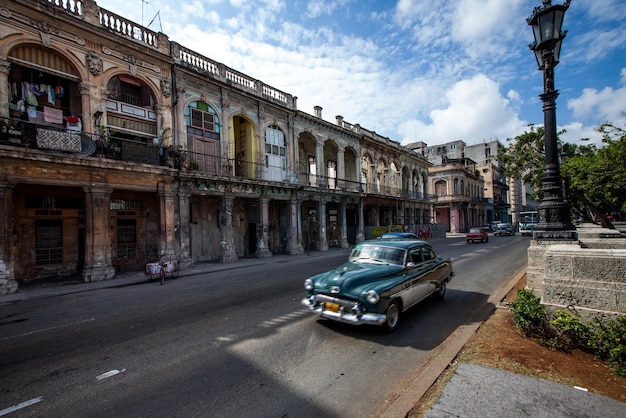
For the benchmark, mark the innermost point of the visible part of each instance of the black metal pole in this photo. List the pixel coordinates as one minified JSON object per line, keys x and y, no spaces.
{"x":554,"y":214}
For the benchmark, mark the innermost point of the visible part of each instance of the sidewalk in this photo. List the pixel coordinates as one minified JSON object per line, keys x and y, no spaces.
{"x":473,"y":391}
{"x":69,"y":285}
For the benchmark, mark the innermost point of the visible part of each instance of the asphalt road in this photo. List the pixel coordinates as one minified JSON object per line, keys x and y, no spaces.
{"x":231,"y":343}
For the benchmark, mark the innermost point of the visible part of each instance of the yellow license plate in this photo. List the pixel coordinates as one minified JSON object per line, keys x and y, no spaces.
{"x":329,"y":306}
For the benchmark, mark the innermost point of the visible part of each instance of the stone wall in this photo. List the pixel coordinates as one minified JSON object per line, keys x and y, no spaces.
{"x":588,"y":275}
{"x":592,"y":279}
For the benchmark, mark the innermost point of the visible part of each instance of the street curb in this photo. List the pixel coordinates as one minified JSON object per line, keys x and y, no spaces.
{"x":446,"y":353}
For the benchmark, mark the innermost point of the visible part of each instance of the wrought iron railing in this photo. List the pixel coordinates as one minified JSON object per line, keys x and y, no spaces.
{"x":21,"y":133}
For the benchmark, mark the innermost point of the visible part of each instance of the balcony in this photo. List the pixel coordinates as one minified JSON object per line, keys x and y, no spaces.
{"x":24,"y":134}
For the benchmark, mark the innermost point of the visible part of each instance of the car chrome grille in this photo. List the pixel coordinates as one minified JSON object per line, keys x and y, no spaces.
{"x":347,"y":305}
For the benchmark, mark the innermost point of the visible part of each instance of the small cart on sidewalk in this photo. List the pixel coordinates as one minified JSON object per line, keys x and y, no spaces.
{"x":161,"y":269}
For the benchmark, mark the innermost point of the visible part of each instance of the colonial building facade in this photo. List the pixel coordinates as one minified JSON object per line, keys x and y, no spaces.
{"x":457,"y":184}
{"x":120,"y":147}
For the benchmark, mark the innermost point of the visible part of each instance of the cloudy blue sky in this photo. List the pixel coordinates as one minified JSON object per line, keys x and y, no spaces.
{"x":411,"y":70}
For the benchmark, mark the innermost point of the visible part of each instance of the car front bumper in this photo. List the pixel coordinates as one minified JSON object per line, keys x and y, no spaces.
{"x":349,"y":315}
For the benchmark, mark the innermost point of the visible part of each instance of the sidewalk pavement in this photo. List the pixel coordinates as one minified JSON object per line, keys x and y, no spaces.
{"x":473,"y":391}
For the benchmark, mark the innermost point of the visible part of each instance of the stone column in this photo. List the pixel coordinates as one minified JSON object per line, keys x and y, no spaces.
{"x":7,"y":279}
{"x":262,"y":230}
{"x":321,"y":225}
{"x":183,"y":233}
{"x":98,"y":264}
{"x":295,"y":240}
{"x":5,"y":68}
{"x":341,"y":169}
{"x":167,"y":222}
{"x":85,"y":106}
{"x":319,"y":164}
{"x":344,"y":227}
{"x":227,"y":231}
{"x":360,"y":235}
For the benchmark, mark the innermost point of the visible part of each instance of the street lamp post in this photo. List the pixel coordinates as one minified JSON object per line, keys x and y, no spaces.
{"x":554,"y":215}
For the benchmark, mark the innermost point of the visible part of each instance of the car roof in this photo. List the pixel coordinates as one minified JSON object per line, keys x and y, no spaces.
{"x":396,"y":243}
{"x":397,"y":234}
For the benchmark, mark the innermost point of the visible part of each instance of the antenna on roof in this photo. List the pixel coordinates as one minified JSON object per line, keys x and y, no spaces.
{"x":158,"y":14}
{"x":142,"y":3}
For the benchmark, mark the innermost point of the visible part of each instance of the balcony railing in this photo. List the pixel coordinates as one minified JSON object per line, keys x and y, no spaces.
{"x":20,"y":133}
{"x":24,"y":134}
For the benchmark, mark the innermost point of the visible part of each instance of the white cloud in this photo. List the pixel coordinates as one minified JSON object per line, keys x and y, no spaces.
{"x":598,"y":106}
{"x":476,"y":111}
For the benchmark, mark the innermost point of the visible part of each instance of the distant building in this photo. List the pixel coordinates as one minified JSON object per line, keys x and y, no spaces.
{"x":458,"y":184}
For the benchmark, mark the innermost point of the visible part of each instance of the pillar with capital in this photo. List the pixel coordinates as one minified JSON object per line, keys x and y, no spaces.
{"x":262,"y":251}
{"x":183,"y":233}
{"x":7,"y":279}
{"x":167,"y":219}
{"x":5,"y":68}
{"x":294,"y":247}
{"x":98,"y":264}
{"x":227,"y":231}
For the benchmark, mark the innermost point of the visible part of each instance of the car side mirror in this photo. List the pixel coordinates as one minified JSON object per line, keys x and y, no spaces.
{"x":411,"y":264}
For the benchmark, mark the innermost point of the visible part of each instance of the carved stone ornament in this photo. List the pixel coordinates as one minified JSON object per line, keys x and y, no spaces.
{"x":94,"y":62}
{"x":166,"y":87}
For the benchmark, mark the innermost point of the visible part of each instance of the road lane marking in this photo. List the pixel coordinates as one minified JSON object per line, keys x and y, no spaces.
{"x":20,"y":406}
{"x":109,"y":374}
{"x":47,"y":329}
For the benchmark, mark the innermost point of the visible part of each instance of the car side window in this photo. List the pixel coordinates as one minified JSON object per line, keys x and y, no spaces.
{"x":428,"y":254}
{"x":415,"y":256}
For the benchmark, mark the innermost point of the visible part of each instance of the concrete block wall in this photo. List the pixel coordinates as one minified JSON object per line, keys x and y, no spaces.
{"x":592,"y":279}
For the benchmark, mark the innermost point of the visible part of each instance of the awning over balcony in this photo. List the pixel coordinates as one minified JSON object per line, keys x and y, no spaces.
{"x":43,"y":59}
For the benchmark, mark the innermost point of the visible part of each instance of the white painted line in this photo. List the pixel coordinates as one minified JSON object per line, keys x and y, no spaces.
{"x":48,"y":329}
{"x":20,"y":406}
{"x":109,"y":374}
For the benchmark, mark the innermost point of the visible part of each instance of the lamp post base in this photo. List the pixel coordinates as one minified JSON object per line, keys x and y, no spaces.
{"x":553,"y":221}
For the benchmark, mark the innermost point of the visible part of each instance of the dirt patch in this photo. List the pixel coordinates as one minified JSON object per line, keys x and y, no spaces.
{"x":499,"y":344}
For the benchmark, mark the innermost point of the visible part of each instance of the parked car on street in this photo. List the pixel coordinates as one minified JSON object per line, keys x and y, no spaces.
{"x":477,"y":234}
{"x":527,"y":229}
{"x":504,"y":229}
{"x":380,"y":281}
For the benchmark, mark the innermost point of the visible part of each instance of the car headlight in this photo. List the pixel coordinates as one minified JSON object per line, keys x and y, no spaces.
{"x":372,"y":297}
{"x":308,"y":284}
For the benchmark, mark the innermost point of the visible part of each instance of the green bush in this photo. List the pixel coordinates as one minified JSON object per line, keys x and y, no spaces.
{"x":606,"y":339}
{"x":570,"y":332}
{"x":529,"y":314}
{"x":608,"y":342}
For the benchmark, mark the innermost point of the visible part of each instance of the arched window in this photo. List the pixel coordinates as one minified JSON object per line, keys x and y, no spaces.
{"x":202,"y":121}
{"x":203,"y":135}
{"x":441,"y":188}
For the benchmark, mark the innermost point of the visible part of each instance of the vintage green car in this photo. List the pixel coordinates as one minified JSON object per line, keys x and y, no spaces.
{"x":381,"y":279}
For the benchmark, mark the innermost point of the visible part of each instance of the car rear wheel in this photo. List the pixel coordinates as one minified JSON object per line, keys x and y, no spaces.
{"x":393,"y":316}
{"x":441,"y":292}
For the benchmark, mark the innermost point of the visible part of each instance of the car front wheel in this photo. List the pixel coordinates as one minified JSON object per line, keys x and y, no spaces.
{"x":393,"y":316}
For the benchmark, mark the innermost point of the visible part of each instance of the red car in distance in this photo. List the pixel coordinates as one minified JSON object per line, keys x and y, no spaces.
{"x":477,"y":234}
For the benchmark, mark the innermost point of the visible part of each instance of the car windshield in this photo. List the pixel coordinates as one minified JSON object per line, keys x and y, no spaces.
{"x":377,"y":254}
{"x":475,"y":230}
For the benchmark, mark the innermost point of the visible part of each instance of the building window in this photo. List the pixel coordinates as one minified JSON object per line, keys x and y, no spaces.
{"x":202,"y":121}
{"x":48,"y":242}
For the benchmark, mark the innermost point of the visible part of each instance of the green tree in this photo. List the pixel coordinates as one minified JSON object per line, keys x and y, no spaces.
{"x":597,"y":176}
{"x":524,"y":158}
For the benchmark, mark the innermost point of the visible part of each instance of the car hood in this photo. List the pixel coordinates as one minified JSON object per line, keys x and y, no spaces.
{"x":351,"y":278}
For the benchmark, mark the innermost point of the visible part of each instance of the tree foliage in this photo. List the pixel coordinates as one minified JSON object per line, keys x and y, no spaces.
{"x":600,"y":174}
{"x":595,"y":177}
{"x":525,"y":158}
